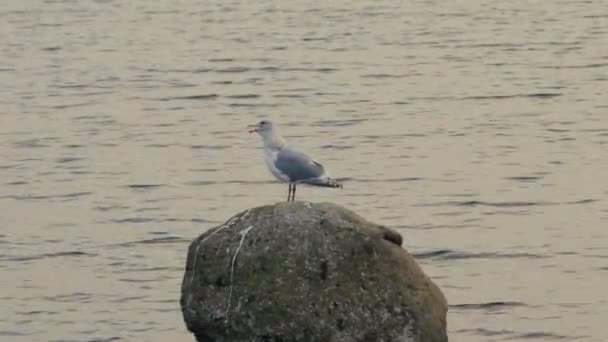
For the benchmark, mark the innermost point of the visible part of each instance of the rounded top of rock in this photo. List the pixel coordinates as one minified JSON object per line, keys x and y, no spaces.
{"x":302,"y":214}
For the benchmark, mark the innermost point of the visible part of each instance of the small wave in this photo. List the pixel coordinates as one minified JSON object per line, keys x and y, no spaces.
{"x":11,"y":166}
{"x":159,"y":145}
{"x":313,"y":39}
{"x":502,"y":97}
{"x":125,"y":269}
{"x":29,"y":143}
{"x":431,"y":226}
{"x":110,"y":207}
{"x":388,"y":180}
{"x":542,"y":335}
{"x":235,"y":69}
{"x":144,"y":186}
{"x":475,"y":203}
{"x":289,"y":96}
{"x":583,"y":201}
{"x":524,"y":178}
{"x":127,"y":299}
{"x":210,"y":147}
{"x":42,"y":197}
{"x":514,"y":335}
{"x":68,"y":159}
{"x":506,"y":204}
{"x":338,"y":123}
{"x":243,"y":96}
{"x":201,"y":220}
{"x":269,"y":105}
{"x":12,"y":333}
{"x":73,"y":105}
{"x":487,"y":306}
{"x":7,"y":68}
{"x":47,"y":256}
{"x":220,"y":60}
{"x":200,"y":183}
{"x":133,"y":220}
{"x":191,"y":97}
{"x":132,"y":280}
{"x":248,"y":182}
{"x":338,"y":147}
{"x":310,"y":69}
{"x":94,"y":339}
{"x":485,"y":332}
{"x":448,"y":254}
{"x":17,"y":183}
{"x":582,"y":66}
{"x":382,"y":76}
{"x":36,"y":312}
{"x":153,"y":241}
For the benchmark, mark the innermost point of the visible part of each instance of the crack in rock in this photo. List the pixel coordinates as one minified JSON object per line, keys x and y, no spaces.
{"x":243,"y":233}
{"x":228,"y":224}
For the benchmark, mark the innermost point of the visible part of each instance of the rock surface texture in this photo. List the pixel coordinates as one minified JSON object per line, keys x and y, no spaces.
{"x":307,"y":272}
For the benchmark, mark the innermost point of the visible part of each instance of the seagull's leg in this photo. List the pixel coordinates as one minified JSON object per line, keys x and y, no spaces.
{"x":289,"y":193}
{"x":293,"y":196}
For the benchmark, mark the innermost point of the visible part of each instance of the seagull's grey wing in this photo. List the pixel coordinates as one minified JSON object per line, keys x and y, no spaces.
{"x":298,"y":166}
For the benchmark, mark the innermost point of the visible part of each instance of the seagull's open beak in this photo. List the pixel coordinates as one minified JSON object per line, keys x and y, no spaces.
{"x":252,"y":128}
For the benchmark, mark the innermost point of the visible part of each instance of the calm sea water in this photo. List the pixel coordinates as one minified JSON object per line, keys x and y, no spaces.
{"x":478,"y":129}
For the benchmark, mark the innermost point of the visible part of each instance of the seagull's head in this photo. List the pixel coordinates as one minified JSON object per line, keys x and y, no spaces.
{"x":263,"y":128}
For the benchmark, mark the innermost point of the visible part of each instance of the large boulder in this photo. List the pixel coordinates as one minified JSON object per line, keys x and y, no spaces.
{"x":307,"y":272}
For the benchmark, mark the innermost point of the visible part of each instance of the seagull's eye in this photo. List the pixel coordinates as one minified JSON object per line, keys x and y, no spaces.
{"x":263,"y":122}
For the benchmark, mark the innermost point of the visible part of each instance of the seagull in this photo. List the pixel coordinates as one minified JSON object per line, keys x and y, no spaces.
{"x":289,"y":165}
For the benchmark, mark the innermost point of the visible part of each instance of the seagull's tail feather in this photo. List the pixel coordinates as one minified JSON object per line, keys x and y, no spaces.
{"x":327,"y":182}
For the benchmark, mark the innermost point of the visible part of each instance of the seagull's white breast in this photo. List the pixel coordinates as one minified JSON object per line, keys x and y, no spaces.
{"x":270,"y":156}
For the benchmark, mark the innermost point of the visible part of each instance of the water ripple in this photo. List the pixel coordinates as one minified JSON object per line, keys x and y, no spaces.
{"x":210,"y":147}
{"x":381,"y":180}
{"x":94,"y":339}
{"x":72,"y":195}
{"x":191,"y":97}
{"x":510,"y":96}
{"x":448,"y":254}
{"x":243,"y":96}
{"x":338,"y":123}
{"x":507,"y":204}
{"x":144,"y":186}
{"x":153,"y":241}
{"x":544,"y":335}
{"x":489,"y":306}
{"x":47,"y":256}
{"x":524,"y":178}
{"x":12,"y":333}
{"x":514,"y":335}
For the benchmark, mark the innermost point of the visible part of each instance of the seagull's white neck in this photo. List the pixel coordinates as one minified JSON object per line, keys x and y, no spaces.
{"x":272,"y":140}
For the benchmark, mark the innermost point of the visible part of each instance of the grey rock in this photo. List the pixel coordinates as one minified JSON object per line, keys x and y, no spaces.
{"x":307,"y":272}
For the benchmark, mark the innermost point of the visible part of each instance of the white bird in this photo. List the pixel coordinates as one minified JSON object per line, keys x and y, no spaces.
{"x":288,"y":164}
